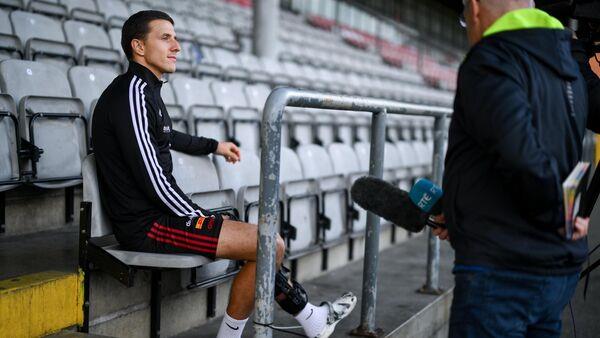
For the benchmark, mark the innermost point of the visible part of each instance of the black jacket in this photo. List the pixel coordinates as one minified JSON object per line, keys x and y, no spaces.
{"x":132,"y":136}
{"x":513,"y":140}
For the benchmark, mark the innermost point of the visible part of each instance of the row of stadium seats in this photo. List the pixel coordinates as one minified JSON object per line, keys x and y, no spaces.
{"x":70,"y":42}
{"x":59,"y":115}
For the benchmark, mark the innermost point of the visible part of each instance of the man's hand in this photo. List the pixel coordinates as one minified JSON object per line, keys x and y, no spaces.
{"x":580,"y":228}
{"x":230,"y":151}
{"x":442,"y":233}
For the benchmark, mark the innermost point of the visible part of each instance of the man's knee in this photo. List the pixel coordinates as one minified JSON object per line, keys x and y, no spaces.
{"x":280,"y":250}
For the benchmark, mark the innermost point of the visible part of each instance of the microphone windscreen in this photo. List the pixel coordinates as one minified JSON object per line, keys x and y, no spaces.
{"x":389,"y":202}
{"x":427,"y":196}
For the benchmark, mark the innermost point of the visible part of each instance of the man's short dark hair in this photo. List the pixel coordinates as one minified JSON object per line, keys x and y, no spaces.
{"x":137,"y":26}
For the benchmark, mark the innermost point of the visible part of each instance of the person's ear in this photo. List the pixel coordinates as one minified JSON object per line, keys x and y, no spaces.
{"x":137,"y":46}
{"x":475,"y":9}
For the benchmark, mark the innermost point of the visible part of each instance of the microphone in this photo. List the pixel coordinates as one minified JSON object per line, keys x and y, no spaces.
{"x":410,"y":211}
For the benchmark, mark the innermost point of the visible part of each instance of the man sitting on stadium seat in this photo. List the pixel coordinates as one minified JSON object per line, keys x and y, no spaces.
{"x":132,"y":138}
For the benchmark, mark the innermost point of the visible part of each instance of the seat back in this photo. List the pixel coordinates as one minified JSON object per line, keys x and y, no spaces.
{"x":29,"y":25}
{"x":112,"y":8}
{"x":21,"y":78}
{"x":83,"y":4}
{"x":63,"y":139}
{"x":88,"y":83}
{"x":257,"y":95}
{"x":316,"y":163}
{"x":189,"y":91}
{"x":324,"y":126}
{"x":243,"y":178}
{"x":344,"y":124}
{"x":85,"y":34}
{"x":101,"y":225}
{"x":194,"y":174}
{"x":9,"y":157}
{"x":345,"y":162}
{"x":301,"y":125}
{"x":229,"y":94}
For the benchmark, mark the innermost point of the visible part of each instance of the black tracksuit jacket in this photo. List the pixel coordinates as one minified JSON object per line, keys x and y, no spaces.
{"x":132,"y":138}
{"x":512,"y":142}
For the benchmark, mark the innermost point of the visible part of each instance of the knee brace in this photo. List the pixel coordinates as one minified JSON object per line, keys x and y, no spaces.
{"x":289,"y":294}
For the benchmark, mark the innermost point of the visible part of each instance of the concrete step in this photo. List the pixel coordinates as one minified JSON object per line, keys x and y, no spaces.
{"x":401,"y":311}
{"x":38,"y":304}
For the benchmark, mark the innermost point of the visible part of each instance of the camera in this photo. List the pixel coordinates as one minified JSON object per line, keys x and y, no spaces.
{"x":582,"y":16}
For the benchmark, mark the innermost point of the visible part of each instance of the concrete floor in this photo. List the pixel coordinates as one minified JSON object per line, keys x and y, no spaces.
{"x":401,"y":273}
{"x":48,"y":250}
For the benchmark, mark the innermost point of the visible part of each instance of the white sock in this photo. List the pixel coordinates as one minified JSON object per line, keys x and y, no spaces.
{"x":231,"y":328}
{"x":313,"y":319}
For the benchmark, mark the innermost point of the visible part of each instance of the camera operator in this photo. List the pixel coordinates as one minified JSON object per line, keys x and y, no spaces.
{"x":516,"y":133}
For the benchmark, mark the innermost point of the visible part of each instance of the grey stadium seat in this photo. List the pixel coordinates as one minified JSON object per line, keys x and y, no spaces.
{"x":60,"y":130}
{"x":92,"y":44}
{"x":204,"y":117}
{"x":300,"y":209}
{"x":10,"y":44}
{"x":101,"y":227}
{"x":257,"y":95}
{"x":245,"y":121}
{"x":243,"y":178}
{"x":230,"y":63}
{"x":345,"y":162}
{"x":115,"y":11}
{"x":9,"y":133}
{"x":204,"y":189}
{"x":43,"y":38}
{"x":176,"y":111}
{"x":87,"y":84}
{"x":316,"y":164}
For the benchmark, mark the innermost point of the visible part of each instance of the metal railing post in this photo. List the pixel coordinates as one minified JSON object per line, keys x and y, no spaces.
{"x":432,"y":285}
{"x":268,"y":212}
{"x":371,"y":259}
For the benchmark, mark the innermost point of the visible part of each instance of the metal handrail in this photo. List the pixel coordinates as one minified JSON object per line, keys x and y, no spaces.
{"x":268,"y":215}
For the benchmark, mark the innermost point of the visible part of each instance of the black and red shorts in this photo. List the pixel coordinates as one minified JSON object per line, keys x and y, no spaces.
{"x":196,"y":235}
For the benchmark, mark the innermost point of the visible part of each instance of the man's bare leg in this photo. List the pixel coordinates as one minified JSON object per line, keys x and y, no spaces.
{"x":238,"y":241}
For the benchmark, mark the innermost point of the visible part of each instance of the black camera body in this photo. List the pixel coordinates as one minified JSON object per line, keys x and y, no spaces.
{"x":587,"y":14}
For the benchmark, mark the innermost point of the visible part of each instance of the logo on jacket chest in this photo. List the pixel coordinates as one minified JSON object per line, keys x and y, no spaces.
{"x":166,"y":129}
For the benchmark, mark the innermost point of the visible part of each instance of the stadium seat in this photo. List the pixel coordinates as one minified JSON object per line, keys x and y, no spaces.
{"x":255,"y":67}
{"x":301,"y":126}
{"x":92,"y":44}
{"x":229,"y":62}
{"x":56,"y":120}
{"x":203,"y":31}
{"x":345,"y":162}
{"x":204,"y":117}
{"x":207,"y":67}
{"x":115,"y":12}
{"x":257,"y":95}
{"x":87,"y":84}
{"x":204,"y":189}
{"x":176,"y":111}
{"x":10,"y":44}
{"x":44,"y":39}
{"x":243,"y":178}
{"x":300,"y":206}
{"x":324,"y":127}
{"x":362,"y":126}
{"x":344,"y":127}
{"x":9,"y":144}
{"x":245,"y":121}
{"x":83,"y":10}
{"x":316,"y":164}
